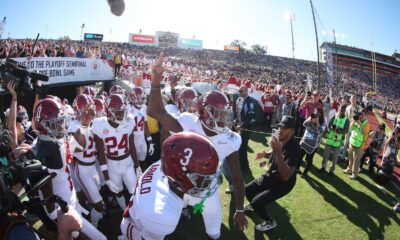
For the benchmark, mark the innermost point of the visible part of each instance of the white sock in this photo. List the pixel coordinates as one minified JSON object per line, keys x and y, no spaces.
{"x":95,"y":216}
{"x":121,"y":202}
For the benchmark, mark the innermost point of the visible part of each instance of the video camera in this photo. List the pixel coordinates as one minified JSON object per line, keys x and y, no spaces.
{"x":25,"y":80}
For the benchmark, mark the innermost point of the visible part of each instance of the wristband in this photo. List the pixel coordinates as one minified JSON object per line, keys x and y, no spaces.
{"x":103,"y":167}
{"x":155,"y":88}
{"x":239,"y":210}
{"x":53,"y":214}
{"x":149,"y":139}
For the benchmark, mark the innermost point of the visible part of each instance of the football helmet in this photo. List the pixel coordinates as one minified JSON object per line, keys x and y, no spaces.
{"x":214,"y":111}
{"x":116,"y":109}
{"x":100,"y":109}
{"x":190,"y":162}
{"x":187,"y":100}
{"x":137,"y":96}
{"x":116,"y":89}
{"x":89,"y":91}
{"x":50,"y":118}
{"x":84,"y":107}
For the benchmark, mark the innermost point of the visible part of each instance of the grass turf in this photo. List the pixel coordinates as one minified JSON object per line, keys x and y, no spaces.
{"x":321,"y":207}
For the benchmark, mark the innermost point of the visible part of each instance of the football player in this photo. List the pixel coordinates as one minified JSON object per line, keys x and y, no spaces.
{"x":54,"y":151}
{"x":141,"y":132}
{"x":114,"y":141}
{"x":188,"y":167}
{"x":213,"y":120}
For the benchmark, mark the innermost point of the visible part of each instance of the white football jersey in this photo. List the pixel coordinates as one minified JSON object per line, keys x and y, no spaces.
{"x":225,"y":143}
{"x":73,"y":126}
{"x":173,"y":110}
{"x":116,"y":140}
{"x":154,"y":208}
{"x":89,"y":154}
{"x":139,"y":117}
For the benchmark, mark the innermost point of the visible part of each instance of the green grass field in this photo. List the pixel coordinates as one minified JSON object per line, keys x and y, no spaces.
{"x":322,"y":207}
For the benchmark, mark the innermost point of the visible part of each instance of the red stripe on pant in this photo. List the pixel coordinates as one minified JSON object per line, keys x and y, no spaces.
{"x":82,"y":184}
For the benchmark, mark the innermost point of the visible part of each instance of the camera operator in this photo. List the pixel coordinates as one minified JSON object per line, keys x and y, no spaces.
{"x":280,"y":179}
{"x":359,"y":130}
{"x":392,"y":145}
{"x":375,"y":147}
{"x":311,"y":140}
{"x":338,"y":126}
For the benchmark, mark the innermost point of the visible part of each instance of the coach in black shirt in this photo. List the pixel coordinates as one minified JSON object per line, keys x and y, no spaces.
{"x":280,"y":179}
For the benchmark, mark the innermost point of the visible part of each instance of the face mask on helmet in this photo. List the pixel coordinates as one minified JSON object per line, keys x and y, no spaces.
{"x":57,"y":128}
{"x":219,"y":118}
{"x":119,"y":116}
{"x":187,"y":105}
{"x":138,"y":100}
{"x":203,"y":185}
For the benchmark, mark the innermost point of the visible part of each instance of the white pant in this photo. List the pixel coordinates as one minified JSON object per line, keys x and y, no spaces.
{"x":212,"y":213}
{"x":122,"y":172}
{"x":141,"y":147}
{"x":89,"y":181}
{"x":132,"y":231}
{"x":71,"y":167}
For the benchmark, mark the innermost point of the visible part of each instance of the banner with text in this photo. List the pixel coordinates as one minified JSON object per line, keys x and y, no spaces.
{"x":231,"y":48}
{"x":141,"y":40}
{"x":64,"y":69}
{"x":329,"y":69}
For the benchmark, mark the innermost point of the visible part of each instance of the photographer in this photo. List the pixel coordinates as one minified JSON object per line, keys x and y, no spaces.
{"x":311,"y":140}
{"x":359,"y":130}
{"x":280,"y":179}
{"x":392,"y":145}
{"x":338,"y":126}
{"x":375,"y":147}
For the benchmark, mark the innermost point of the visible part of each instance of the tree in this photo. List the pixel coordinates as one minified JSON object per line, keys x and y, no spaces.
{"x":241,"y":44}
{"x":258,"y":49}
{"x":64,"y":38}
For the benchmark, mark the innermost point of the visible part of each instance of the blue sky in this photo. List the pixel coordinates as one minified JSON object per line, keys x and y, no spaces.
{"x":216,"y":22}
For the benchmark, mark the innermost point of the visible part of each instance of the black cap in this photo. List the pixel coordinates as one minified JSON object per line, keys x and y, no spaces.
{"x":287,"y":122}
{"x":382,"y":126}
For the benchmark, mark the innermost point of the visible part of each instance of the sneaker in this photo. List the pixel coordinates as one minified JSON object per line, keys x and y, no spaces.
{"x":347,"y":171}
{"x":266,"y":226}
{"x":229,"y":189}
{"x":248,"y":208}
{"x":396,"y":207}
{"x":353,"y":177}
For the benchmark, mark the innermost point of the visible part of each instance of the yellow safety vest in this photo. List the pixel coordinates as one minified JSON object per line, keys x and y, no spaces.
{"x":356,"y":137}
{"x":333,"y":139}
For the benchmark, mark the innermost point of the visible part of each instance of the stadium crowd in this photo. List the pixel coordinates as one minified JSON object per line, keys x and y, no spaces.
{"x":101,"y":144}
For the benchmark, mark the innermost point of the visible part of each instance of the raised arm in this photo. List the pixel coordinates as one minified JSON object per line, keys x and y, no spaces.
{"x":12,"y":117}
{"x":156,"y":107}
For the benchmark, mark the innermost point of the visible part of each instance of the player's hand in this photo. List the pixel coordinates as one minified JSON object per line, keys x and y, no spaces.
{"x":113,"y":188}
{"x":151,"y":149}
{"x":138,"y":172}
{"x":68,"y":223}
{"x":239,"y":219}
{"x":157,"y":71}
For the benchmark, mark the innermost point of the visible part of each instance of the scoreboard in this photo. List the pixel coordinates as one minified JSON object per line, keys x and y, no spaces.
{"x":167,"y":39}
{"x":93,"y":37}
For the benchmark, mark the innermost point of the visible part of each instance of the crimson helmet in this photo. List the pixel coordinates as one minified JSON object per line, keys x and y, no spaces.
{"x":137,"y":96}
{"x":50,"y":118}
{"x":177,"y":94}
{"x":22,"y":114}
{"x":89,"y":91}
{"x":116,"y":109}
{"x":187,"y":100}
{"x":190,"y":162}
{"x":55,"y":98}
{"x":116,"y":89}
{"x":214,"y":111}
{"x":84,"y":106}
{"x":100,"y":108}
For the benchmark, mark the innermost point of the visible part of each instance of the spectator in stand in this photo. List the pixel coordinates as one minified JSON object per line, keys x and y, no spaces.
{"x":375,"y":147}
{"x":80,"y":53}
{"x":269,"y":106}
{"x":289,"y":108}
{"x":301,"y":114}
{"x":232,"y":80}
{"x":359,"y":132}
{"x":312,"y":104}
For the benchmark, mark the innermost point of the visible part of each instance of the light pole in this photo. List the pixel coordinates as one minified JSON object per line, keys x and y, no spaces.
{"x":317,"y":45}
{"x":2,"y":26}
{"x":289,"y":16}
{"x":82,"y":27}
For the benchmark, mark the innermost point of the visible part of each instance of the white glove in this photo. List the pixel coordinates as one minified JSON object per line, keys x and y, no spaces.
{"x":113,"y":188}
{"x":151,"y":149}
{"x":138,"y":172}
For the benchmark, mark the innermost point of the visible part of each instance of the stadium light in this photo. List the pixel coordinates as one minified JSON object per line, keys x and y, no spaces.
{"x":289,"y":16}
